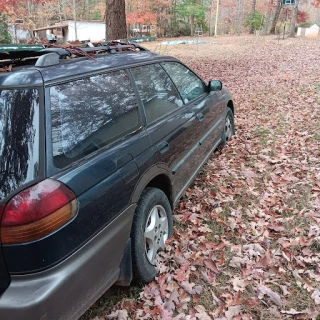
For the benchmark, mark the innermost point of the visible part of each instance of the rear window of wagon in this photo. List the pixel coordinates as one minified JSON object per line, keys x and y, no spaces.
{"x":19,"y":138}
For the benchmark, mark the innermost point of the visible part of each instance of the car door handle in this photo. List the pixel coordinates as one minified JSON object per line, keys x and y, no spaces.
{"x":200,"y":116}
{"x":163,"y":147}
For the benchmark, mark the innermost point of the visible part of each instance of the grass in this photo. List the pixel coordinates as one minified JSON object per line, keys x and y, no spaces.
{"x":299,"y":198}
{"x":111,"y":297}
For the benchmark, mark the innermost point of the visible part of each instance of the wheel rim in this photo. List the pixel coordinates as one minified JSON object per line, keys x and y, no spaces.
{"x":156,"y":232}
{"x":228,"y":128}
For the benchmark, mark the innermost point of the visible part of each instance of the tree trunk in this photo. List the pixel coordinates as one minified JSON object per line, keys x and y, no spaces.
{"x":252,"y":14}
{"x":211,"y":19}
{"x":239,"y":17}
{"x":267,"y":20}
{"x":292,"y":31}
{"x":275,"y":18}
{"x":192,"y":25}
{"x":75,"y":20}
{"x":116,"y":27}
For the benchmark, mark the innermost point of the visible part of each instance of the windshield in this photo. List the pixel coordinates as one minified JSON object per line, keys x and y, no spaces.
{"x":19,"y":138}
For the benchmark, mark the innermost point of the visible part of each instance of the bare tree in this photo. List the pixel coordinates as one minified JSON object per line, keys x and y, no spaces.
{"x":292,"y":28}
{"x":239,"y":17}
{"x":275,"y":18}
{"x":268,"y":15}
{"x":252,"y":14}
{"x":211,"y":18}
{"x":116,"y":27}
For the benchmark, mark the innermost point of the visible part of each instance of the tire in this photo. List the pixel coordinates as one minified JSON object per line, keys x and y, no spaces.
{"x":153,"y":211}
{"x":228,"y":129}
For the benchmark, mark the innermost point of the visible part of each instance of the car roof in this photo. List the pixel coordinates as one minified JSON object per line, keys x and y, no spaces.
{"x":76,"y":67}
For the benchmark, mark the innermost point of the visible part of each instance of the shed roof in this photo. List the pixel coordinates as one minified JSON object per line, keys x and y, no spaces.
{"x":52,"y":27}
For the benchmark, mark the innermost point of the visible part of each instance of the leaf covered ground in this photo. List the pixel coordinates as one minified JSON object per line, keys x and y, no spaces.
{"x":246,"y":242}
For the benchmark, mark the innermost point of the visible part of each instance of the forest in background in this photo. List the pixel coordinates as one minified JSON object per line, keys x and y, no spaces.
{"x":168,"y":17}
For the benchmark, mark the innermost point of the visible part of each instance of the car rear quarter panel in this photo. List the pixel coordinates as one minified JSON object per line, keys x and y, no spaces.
{"x":102,"y":193}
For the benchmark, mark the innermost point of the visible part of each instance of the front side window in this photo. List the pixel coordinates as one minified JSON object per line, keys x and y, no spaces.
{"x":157,"y":92}
{"x":189,"y":85}
{"x":19,"y":138}
{"x":88,"y":114}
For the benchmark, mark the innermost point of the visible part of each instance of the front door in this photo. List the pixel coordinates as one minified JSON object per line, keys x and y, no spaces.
{"x":170,"y":123}
{"x":209,"y":107}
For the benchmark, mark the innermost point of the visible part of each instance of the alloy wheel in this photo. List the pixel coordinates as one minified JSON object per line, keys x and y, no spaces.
{"x":228,"y":128}
{"x":156,"y":232}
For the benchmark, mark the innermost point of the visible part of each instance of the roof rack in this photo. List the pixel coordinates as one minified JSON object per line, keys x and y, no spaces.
{"x":19,"y":55}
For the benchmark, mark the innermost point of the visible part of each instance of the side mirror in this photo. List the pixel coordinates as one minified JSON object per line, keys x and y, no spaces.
{"x":215,"y":85}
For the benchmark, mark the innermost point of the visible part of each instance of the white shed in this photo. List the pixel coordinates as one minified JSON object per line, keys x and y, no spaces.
{"x":65,"y":30}
{"x":18,"y":34}
{"x":311,"y":32}
{"x":86,"y":30}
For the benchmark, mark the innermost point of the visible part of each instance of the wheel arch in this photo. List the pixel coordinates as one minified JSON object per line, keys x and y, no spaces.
{"x":156,"y":177}
{"x":231,"y":105}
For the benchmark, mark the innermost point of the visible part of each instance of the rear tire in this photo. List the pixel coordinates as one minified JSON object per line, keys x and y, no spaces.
{"x":152,"y":226}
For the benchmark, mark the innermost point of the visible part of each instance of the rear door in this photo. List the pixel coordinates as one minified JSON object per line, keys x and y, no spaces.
{"x":97,"y":128}
{"x":208,"y":106}
{"x":170,"y":123}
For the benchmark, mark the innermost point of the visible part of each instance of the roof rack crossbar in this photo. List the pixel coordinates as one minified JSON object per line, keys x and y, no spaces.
{"x":60,"y":51}
{"x":50,"y":55}
{"x":114,"y":47}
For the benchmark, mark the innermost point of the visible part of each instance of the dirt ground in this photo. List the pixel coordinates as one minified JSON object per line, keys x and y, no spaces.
{"x":246,"y":243}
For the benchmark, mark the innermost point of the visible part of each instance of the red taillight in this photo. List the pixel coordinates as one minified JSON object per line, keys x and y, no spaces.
{"x":37,"y":211}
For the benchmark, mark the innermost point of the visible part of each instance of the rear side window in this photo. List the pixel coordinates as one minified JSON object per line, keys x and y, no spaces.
{"x":157,"y":92}
{"x":190,"y":86}
{"x":90,"y":113}
{"x":19,"y":138}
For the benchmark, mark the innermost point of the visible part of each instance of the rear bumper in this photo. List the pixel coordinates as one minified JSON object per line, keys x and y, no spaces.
{"x":69,"y":289}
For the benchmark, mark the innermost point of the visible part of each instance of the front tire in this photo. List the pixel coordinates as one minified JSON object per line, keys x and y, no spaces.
{"x":228,"y":129}
{"x":152,"y":226}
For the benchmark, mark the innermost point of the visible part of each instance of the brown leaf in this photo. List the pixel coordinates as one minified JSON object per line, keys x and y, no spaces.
{"x":232,"y":312}
{"x":211,"y":265}
{"x":118,"y":315}
{"x":287,"y":254}
{"x":274,"y":297}
{"x":239,"y":284}
{"x":201,"y":313}
{"x":162,"y":280}
{"x":214,"y":246}
{"x":264,"y":262}
{"x":181,"y":275}
{"x":316,"y":297}
{"x":276,"y":227}
{"x":172,"y":301}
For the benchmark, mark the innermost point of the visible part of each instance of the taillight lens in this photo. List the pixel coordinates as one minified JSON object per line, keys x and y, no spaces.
{"x":37,"y":211}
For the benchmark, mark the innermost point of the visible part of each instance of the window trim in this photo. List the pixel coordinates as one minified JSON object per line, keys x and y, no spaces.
{"x":42,"y":139}
{"x":147,"y":124}
{"x":204,"y":82}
